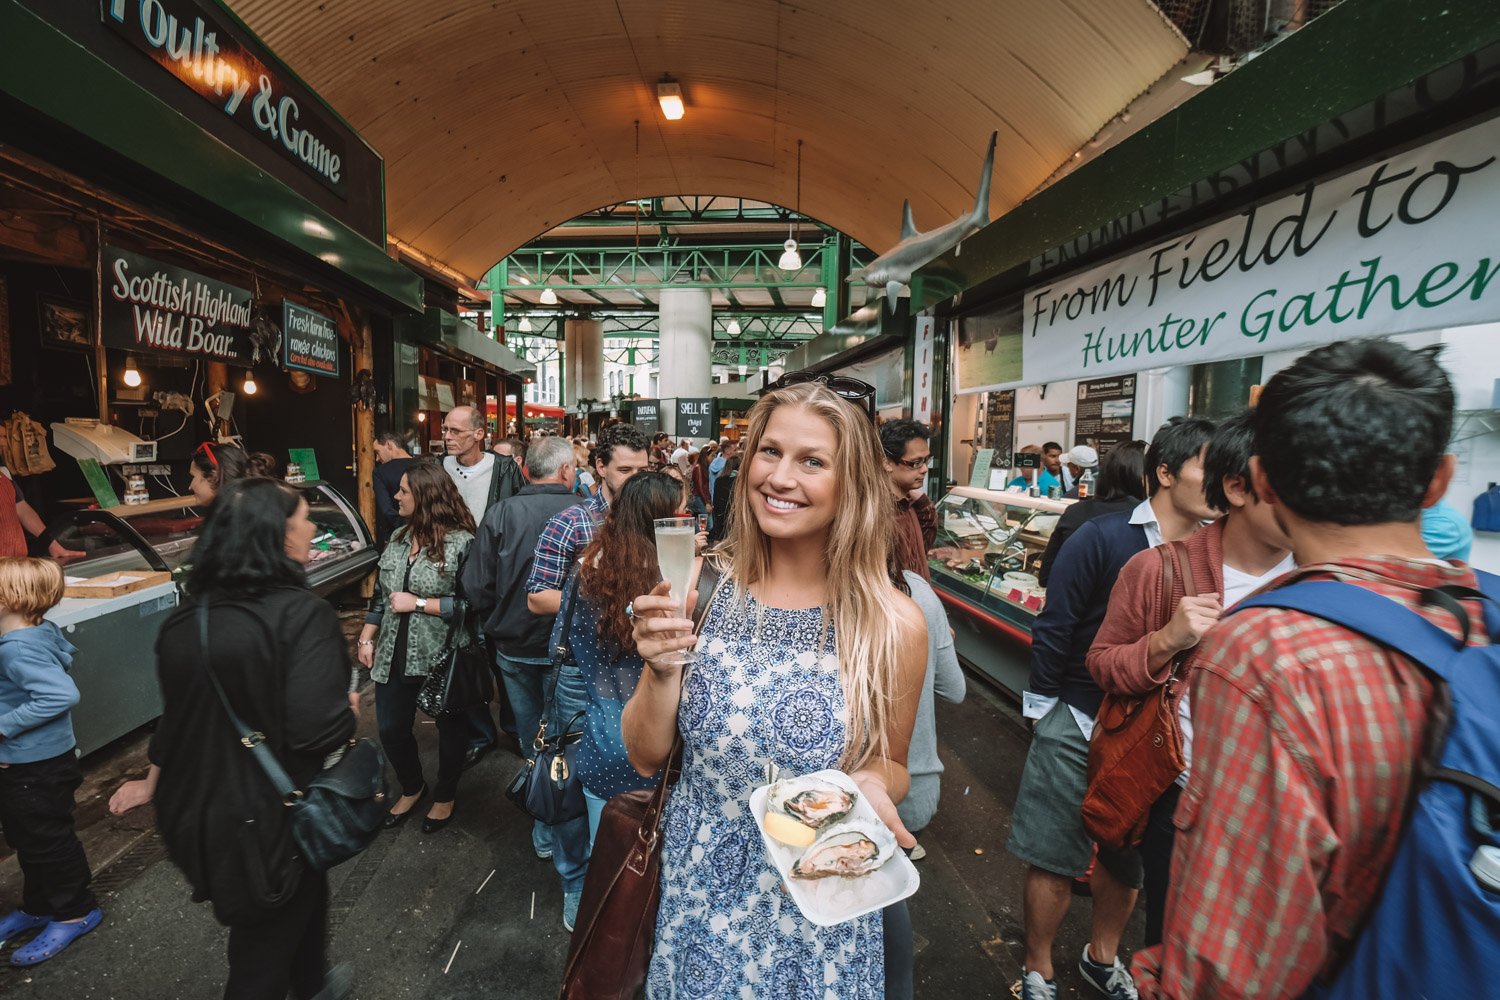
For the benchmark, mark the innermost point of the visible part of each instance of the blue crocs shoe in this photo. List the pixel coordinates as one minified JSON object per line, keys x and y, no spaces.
{"x":55,"y":937}
{"x":18,"y":922}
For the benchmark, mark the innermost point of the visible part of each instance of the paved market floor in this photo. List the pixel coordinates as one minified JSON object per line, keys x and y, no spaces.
{"x":418,"y":919}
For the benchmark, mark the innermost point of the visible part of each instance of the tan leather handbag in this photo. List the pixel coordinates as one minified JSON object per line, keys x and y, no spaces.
{"x":1136,"y":751}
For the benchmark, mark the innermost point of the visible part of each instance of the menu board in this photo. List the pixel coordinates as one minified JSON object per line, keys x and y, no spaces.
{"x":1106,"y":412}
{"x":1000,"y":425}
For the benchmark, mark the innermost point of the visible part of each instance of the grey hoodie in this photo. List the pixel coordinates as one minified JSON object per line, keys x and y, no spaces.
{"x":36,"y":694}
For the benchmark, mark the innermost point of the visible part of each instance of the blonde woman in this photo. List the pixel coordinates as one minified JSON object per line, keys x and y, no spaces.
{"x":809,"y":658}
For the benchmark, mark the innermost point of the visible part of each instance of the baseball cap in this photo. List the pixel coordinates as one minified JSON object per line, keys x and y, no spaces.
{"x":1082,"y":456}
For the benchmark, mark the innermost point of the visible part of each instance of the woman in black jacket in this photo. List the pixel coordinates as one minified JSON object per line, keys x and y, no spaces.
{"x":1121,"y":487}
{"x":284,"y":665}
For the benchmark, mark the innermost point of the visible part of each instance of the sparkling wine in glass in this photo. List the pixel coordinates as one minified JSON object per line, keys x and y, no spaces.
{"x":676,"y":547}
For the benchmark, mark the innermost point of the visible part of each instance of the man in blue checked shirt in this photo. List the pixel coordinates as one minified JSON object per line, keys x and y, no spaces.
{"x":622,"y":452}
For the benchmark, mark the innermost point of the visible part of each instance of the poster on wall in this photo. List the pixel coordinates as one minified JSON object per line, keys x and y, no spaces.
{"x":1000,"y":426}
{"x":154,"y":308}
{"x":695,"y":418}
{"x":309,"y":340}
{"x":988,"y":349}
{"x":1105,"y":416}
{"x":1392,"y":247}
{"x":646,"y":415}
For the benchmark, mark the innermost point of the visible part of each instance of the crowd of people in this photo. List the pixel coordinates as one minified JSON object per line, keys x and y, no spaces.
{"x":819,"y":643}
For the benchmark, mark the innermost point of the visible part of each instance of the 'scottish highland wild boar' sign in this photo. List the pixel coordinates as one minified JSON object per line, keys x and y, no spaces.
{"x":155,"y":308}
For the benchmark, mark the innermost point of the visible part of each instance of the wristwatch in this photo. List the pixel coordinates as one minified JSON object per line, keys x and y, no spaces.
{"x":422,"y":605}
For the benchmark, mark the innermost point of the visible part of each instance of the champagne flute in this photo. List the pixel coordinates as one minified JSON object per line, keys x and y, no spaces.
{"x":676,"y":547}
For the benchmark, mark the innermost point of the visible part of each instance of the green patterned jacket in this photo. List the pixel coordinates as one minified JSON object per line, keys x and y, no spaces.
{"x":427,"y":634}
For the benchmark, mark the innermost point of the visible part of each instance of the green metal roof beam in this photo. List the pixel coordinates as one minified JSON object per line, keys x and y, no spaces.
{"x":1348,"y":57}
{"x":49,"y":72}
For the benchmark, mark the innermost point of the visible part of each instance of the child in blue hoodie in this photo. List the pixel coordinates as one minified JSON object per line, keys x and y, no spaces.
{"x":38,"y":770}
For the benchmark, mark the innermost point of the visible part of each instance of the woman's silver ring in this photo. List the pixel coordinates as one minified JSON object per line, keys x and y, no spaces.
{"x":630,"y":611}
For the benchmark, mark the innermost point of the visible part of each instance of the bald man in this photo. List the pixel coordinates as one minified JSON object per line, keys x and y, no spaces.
{"x":481,"y":480}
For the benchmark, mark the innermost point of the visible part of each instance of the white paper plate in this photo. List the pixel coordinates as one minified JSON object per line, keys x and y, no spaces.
{"x":834,"y":900}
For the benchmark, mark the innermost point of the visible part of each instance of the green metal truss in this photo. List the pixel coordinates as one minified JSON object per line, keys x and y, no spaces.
{"x":594,"y":269}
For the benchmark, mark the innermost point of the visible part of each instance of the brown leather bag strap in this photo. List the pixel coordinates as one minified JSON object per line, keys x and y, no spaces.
{"x":1168,"y":584}
{"x":1184,"y":568}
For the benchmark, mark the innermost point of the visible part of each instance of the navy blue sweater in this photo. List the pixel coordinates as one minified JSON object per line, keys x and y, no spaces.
{"x":1077,"y":597}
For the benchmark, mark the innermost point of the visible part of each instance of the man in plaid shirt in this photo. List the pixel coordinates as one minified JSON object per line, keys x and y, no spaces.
{"x":622,"y":452}
{"x":1308,"y":737}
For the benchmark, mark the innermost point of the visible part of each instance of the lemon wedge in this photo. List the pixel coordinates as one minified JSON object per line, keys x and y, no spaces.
{"x":790,"y":832}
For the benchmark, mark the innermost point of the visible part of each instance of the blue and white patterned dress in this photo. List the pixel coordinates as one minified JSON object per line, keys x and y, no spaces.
{"x":726,"y":930}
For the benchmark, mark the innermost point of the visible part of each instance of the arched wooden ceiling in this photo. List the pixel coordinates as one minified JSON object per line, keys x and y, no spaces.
{"x":498,"y":120}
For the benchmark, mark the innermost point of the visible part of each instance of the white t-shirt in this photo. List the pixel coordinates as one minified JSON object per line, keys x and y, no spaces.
{"x":473,"y":481}
{"x":1237,"y":587}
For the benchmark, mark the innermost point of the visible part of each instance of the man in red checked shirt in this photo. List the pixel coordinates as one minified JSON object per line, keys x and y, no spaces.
{"x":1307,"y":736}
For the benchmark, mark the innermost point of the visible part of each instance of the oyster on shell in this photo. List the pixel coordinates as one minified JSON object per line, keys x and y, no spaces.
{"x":810,"y":800}
{"x":847,"y":850}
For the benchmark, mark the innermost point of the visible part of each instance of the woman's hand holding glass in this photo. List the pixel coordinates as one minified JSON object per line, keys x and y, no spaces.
{"x":663,"y":628}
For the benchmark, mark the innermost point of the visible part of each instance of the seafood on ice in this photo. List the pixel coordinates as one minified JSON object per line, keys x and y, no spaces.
{"x":813,"y":801}
{"x":848,"y":850}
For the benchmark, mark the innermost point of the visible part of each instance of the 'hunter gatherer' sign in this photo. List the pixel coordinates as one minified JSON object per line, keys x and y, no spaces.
{"x":155,"y":308}
{"x":1400,"y":245}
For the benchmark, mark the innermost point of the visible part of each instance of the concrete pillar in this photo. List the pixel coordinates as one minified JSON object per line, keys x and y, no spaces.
{"x":686,"y":343}
{"x":583,"y":356}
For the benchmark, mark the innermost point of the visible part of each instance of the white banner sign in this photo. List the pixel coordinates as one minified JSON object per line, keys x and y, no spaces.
{"x":1409,"y":243}
{"x":921,"y":390}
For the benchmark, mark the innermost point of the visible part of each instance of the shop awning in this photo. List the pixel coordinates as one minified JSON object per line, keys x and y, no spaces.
{"x":53,"y":75}
{"x":447,"y":332}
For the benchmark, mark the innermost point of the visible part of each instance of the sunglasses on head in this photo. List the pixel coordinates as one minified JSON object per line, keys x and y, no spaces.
{"x":207,"y":450}
{"x":855,"y":391}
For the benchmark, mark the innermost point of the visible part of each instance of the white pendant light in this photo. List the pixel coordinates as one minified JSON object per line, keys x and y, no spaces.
{"x":525,"y":326}
{"x":549,"y":297}
{"x":669,"y":96}
{"x":734,"y":328}
{"x":791,"y":260}
{"x":249,"y":387}
{"x":820,"y":298}
{"x":132,"y":374}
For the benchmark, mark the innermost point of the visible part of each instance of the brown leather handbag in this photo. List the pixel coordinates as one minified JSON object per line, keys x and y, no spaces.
{"x":611,"y":947}
{"x":1136,"y":751}
{"x":616,"y":927}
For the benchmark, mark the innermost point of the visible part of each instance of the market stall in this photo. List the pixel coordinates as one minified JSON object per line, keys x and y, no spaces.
{"x":134,"y":557}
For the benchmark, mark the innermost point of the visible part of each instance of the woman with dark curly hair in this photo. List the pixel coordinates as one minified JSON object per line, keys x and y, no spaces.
{"x":406,"y":630}
{"x":616,"y":566}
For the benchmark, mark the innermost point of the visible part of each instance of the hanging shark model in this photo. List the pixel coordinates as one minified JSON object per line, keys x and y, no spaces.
{"x":892,"y":270}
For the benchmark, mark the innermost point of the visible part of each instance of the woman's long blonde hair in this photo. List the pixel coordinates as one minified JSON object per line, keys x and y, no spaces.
{"x":861,"y":603}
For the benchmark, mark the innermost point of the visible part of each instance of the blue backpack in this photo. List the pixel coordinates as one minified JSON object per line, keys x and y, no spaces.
{"x":1435,"y":929}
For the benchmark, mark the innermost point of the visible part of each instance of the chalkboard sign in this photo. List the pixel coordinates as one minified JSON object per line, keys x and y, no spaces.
{"x":1000,"y":425}
{"x":695,"y":418}
{"x":646,"y":415}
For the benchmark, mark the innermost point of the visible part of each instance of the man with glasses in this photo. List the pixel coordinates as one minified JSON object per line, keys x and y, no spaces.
{"x":907,"y":456}
{"x":481,"y":480}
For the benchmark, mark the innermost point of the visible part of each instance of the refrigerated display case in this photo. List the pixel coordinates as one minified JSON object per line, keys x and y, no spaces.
{"x":115,"y":667}
{"x":984,"y":562}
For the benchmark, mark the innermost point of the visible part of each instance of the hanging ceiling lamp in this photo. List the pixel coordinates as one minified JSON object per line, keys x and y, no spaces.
{"x":249,"y":387}
{"x":132,"y":374}
{"x":525,"y":324}
{"x":820,"y":298}
{"x":791,"y":260}
{"x":669,"y":96}
{"x":734,"y":328}
{"x":549,"y":297}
